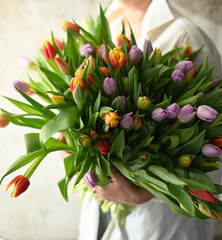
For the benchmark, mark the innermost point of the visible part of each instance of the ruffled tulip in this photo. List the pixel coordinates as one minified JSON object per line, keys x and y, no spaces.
{"x":117,"y":58}
{"x":58,"y":99}
{"x":204,"y":195}
{"x":137,"y":123}
{"x":21,"y":183}
{"x":210,"y":150}
{"x":74,"y":82}
{"x":186,"y":113}
{"x":72,"y":26}
{"x":218,"y":141}
{"x":102,"y":145}
{"x":122,"y":102}
{"x":119,"y":43}
{"x":86,"y":49}
{"x":62,"y":65}
{"x":4,"y":120}
{"x":150,"y":47}
{"x":85,"y":141}
{"x":48,"y":50}
{"x":135,"y":54}
{"x":185,"y":66}
{"x":159,"y":114}
{"x":91,"y":180}
{"x":206,"y":113}
{"x":143,"y":103}
{"x":127,"y":121}
{"x":177,"y":75}
{"x":79,"y":73}
{"x":184,"y":161}
{"x":59,"y":44}
{"x":112,"y":119}
{"x":22,"y":86}
{"x":109,"y":85}
{"x":172,"y":110}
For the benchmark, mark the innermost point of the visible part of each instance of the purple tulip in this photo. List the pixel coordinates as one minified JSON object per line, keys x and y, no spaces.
{"x":215,"y":81}
{"x":127,"y":121}
{"x":150,"y":47}
{"x":109,"y":85}
{"x":91,"y":180}
{"x":172,"y":110}
{"x":24,"y":61}
{"x":86,"y":49}
{"x":135,"y":54}
{"x":122,"y":102}
{"x":210,"y":150}
{"x":177,"y":75}
{"x":206,"y":113}
{"x":159,"y":114}
{"x":186,"y":113}
{"x":22,"y":86}
{"x":185,"y":66}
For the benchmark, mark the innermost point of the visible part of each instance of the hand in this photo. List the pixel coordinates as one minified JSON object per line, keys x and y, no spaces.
{"x":121,"y":190}
{"x":62,"y":139}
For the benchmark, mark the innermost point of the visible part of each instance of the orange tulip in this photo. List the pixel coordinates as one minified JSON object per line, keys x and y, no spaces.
{"x":79,"y":73}
{"x":120,"y":42}
{"x":117,"y":58}
{"x":75,"y":81}
{"x":21,"y":184}
{"x":62,"y":65}
{"x":112,"y":119}
{"x":59,"y":44}
{"x":4,"y":120}
{"x":72,"y":26}
{"x":218,"y":141}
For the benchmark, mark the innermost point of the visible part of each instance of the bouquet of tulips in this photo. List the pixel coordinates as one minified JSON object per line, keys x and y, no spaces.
{"x":154,"y":117}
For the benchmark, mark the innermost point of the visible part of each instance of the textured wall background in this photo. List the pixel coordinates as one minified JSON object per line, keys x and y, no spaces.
{"x":41,"y":213}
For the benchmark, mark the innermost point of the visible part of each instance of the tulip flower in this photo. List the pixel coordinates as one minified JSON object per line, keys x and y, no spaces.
{"x":137,"y":123}
{"x":48,"y":50}
{"x":117,"y":58}
{"x":206,"y":113}
{"x":218,"y":141}
{"x":215,"y":81}
{"x":72,"y":26}
{"x":186,"y":113}
{"x":185,"y":66}
{"x":122,"y":102}
{"x":109,"y":85}
{"x":204,"y":210}
{"x":22,"y":86}
{"x":184,"y":161}
{"x":101,"y":50}
{"x":84,"y":141}
{"x":144,"y":157}
{"x":172,"y":110}
{"x":159,"y":114}
{"x":26,"y":62}
{"x":119,"y":43}
{"x":105,"y":71}
{"x":4,"y":120}
{"x":93,"y":134}
{"x":58,"y":99}
{"x":91,"y":180}
{"x":188,"y":50}
{"x":21,"y":184}
{"x":102,"y":145}
{"x":158,"y":56}
{"x":150,"y":47}
{"x":190,"y":74}
{"x":204,"y":195}
{"x":135,"y":54}
{"x":127,"y":121}
{"x":86,"y":49}
{"x":59,"y":44}
{"x":74,"y":82}
{"x":62,"y":65}
{"x":210,"y":150}
{"x":177,"y":75}
{"x":143,"y":103}
{"x":112,"y":119}
{"x":79,"y":73}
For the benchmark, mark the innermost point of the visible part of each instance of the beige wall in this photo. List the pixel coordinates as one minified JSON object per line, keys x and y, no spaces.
{"x":41,"y":213}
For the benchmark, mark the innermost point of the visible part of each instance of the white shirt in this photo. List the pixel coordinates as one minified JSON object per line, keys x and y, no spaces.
{"x":153,"y":220}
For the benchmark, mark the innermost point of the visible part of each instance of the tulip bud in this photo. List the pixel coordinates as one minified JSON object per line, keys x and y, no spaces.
{"x":137,"y":123}
{"x":143,"y":103}
{"x":144,"y":157}
{"x":21,"y":184}
{"x":62,"y":65}
{"x":135,"y":54}
{"x":84,"y":141}
{"x":206,"y":113}
{"x":184,"y":161}
{"x":79,"y":73}
{"x":172,"y":110}
{"x":185,"y":66}
{"x":22,"y":86}
{"x":27,"y":62}
{"x":72,"y":26}
{"x":215,"y":81}
{"x":218,"y":141}
{"x":86,"y":49}
{"x":48,"y":50}
{"x":117,"y":58}
{"x":74,"y":82}
{"x":188,"y":50}
{"x":119,"y":43}
{"x":204,"y":195}
{"x":204,"y":210}
{"x":186,"y":113}
{"x":158,"y":56}
{"x":150,"y":47}
{"x":127,"y":121}
{"x":177,"y":75}
{"x":121,"y":101}
{"x":210,"y":150}
{"x":109,"y":85}
{"x":159,"y":114}
{"x":59,"y":44}
{"x":91,"y":180}
{"x":4,"y":120}
{"x":90,"y":62}
{"x":102,"y":145}
{"x":58,"y":99}
{"x":101,"y":50}
{"x":93,"y":134}
{"x":105,"y":71}
{"x":190,"y":74}
{"x":112,"y":119}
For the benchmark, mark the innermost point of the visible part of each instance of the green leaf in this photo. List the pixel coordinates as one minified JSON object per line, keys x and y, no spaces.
{"x":150,"y":73}
{"x":169,"y":54}
{"x":118,"y":145}
{"x":53,"y":145}
{"x":186,"y":133}
{"x":190,"y":100}
{"x":210,"y":98}
{"x":92,"y":121}
{"x":78,"y":95}
{"x":104,"y":164}
{"x":31,"y":122}
{"x":213,"y":132}
{"x":32,"y":142}
{"x":173,"y":140}
{"x":69,"y":165}
{"x":63,"y":186}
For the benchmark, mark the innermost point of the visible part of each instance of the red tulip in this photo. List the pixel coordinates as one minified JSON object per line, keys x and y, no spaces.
{"x":21,"y":184}
{"x":102,"y":145}
{"x":117,"y":58}
{"x":48,"y":50}
{"x":72,"y":26}
{"x":120,"y":42}
{"x":204,"y":195}
{"x":59,"y":44}
{"x":218,"y":141}
{"x":74,"y":82}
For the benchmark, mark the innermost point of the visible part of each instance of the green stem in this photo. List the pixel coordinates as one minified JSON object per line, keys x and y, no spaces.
{"x":171,"y":129}
{"x":69,"y":140}
{"x":26,"y":114}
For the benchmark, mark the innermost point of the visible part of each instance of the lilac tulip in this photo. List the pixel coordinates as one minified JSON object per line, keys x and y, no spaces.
{"x":122,"y":102}
{"x":206,"y":113}
{"x":22,"y":86}
{"x":177,"y":75}
{"x":91,"y":180}
{"x":109,"y":85}
{"x":159,"y":114}
{"x":172,"y":110}
{"x":150,"y":47}
{"x":135,"y":54}
{"x":210,"y":150}
{"x":25,"y":61}
{"x":127,"y":121}
{"x":185,"y":66}
{"x":86,"y":49}
{"x":215,"y":81}
{"x":186,"y":113}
